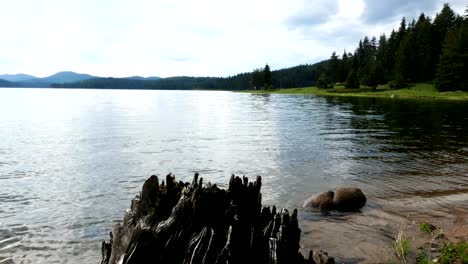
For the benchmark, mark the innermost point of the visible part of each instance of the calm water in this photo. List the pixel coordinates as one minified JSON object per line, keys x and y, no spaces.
{"x":71,"y":160}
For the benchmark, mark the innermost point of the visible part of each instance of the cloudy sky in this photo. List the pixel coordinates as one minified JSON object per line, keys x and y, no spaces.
{"x":186,"y":37}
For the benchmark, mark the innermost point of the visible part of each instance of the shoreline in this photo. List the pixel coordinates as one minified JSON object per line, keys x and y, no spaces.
{"x":369,"y":236}
{"x":419,"y":91}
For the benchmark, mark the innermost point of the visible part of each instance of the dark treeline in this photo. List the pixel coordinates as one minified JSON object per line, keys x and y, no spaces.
{"x":175,"y":83}
{"x":4,"y":83}
{"x":422,"y":50}
{"x":298,"y":76}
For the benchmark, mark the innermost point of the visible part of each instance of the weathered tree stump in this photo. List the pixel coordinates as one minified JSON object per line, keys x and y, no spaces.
{"x":177,"y":222}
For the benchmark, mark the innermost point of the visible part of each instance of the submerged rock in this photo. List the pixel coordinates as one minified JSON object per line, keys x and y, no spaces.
{"x":349,"y":199}
{"x":345,"y":199}
{"x":322,"y":201}
{"x":177,"y":222}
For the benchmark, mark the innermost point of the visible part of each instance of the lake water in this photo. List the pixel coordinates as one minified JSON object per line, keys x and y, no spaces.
{"x":72,"y":160}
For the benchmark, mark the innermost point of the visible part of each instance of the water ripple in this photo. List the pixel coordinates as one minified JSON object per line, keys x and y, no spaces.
{"x":70,"y":165}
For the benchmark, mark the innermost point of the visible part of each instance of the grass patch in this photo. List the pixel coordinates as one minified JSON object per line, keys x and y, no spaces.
{"x":401,"y":246}
{"x":420,"y":90}
{"x":453,"y":253}
{"x":434,"y":251}
{"x":423,"y":258}
{"x":426,"y":228}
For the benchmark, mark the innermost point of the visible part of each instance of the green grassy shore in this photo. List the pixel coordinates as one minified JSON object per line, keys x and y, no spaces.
{"x":417,"y":91}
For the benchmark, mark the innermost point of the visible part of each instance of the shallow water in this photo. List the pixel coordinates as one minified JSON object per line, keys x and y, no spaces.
{"x":71,"y":160}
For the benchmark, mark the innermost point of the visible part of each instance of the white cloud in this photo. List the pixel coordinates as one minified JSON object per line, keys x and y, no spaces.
{"x":388,"y":10}
{"x":314,"y":12}
{"x":176,"y":37}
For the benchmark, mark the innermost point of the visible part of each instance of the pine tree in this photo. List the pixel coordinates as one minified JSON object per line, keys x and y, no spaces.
{"x":404,"y":66}
{"x":423,"y":51}
{"x":334,"y":68}
{"x":366,"y":55}
{"x":453,"y":67}
{"x":267,"y":77}
{"x":323,"y":81}
{"x":345,"y":66}
{"x":352,"y":80}
{"x":443,"y":23}
{"x":257,"y":79}
{"x":381,"y":57}
{"x":401,"y":31}
{"x":390,"y":55}
{"x":401,"y":70}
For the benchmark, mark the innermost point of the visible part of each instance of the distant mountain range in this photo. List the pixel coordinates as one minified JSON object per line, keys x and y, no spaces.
{"x":293,"y":77}
{"x":4,"y":83}
{"x":16,"y":77}
{"x":26,"y":80}
{"x":143,"y":78}
{"x":63,"y":77}
{"x":298,"y":76}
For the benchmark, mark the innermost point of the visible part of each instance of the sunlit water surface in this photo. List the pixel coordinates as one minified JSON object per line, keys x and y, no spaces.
{"x":71,"y":160}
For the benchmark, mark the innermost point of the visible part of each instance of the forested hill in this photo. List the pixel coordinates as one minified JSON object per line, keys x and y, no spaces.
{"x":422,"y":50}
{"x":5,"y":83}
{"x":298,"y":76}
